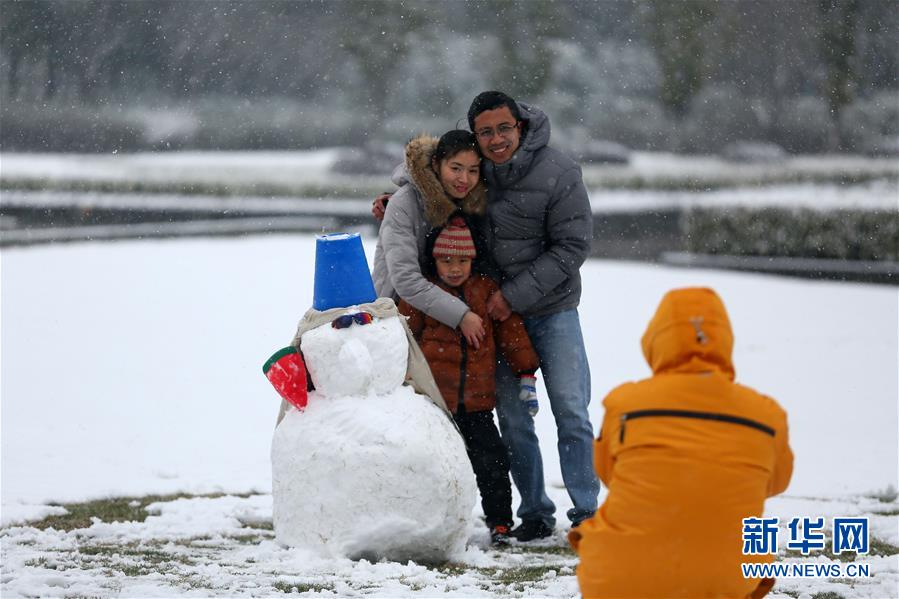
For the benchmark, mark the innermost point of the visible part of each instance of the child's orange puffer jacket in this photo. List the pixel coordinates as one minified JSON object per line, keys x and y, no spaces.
{"x":686,"y":455}
{"x":462,"y":372}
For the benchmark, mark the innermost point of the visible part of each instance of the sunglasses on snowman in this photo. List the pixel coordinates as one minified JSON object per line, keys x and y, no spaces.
{"x":342,"y":322}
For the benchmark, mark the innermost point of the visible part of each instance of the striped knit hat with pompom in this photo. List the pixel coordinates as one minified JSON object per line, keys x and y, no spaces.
{"x":455,"y":240}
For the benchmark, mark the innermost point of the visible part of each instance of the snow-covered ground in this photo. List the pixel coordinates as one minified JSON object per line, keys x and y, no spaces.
{"x":150,"y":167}
{"x":134,"y":368}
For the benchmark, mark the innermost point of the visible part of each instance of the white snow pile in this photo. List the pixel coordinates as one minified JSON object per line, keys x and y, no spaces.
{"x":369,"y":469}
{"x":358,"y":360}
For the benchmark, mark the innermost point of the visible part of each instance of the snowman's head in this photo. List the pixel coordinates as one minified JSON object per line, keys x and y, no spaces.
{"x":356,"y":354}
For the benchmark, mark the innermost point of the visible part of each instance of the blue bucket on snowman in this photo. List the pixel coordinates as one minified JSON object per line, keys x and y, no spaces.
{"x":342,"y":277}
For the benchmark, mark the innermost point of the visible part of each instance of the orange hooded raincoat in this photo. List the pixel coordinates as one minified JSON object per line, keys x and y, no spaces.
{"x":686,"y":455}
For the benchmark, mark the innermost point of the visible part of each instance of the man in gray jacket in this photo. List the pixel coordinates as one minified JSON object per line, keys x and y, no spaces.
{"x":541,"y":226}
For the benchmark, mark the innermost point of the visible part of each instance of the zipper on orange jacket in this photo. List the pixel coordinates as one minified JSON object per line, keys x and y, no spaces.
{"x":693,"y":414}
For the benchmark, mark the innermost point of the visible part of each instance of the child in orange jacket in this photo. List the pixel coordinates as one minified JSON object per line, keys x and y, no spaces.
{"x":466,"y":374}
{"x":686,"y":455}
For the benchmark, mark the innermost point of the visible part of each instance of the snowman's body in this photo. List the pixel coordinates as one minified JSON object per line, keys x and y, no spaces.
{"x":370,"y":468}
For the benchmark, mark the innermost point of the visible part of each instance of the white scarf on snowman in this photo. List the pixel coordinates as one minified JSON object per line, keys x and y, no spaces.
{"x":418,"y":373}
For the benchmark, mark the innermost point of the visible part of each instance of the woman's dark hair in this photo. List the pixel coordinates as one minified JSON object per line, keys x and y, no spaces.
{"x":491,"y":101}
{"x":453,"y":142}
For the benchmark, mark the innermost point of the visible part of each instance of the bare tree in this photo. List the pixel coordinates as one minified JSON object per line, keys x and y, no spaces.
{"x":839,"y":20}
{"x":376,"y":35}
{"x":678,"y":33}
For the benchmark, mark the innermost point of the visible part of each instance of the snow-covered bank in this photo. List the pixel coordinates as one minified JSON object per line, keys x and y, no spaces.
{"x":875,"y":195}
{"x":298,"y":173}
{"x":149,"y":167}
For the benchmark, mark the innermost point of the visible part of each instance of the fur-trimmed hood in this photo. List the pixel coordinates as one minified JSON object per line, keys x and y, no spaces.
{"x":438,"y":206}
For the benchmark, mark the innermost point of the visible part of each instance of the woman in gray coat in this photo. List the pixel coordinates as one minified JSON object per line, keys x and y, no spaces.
{"x":439,"y":178}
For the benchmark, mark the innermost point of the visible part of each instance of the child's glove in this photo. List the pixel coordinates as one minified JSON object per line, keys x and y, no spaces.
{"x":528,"y":393}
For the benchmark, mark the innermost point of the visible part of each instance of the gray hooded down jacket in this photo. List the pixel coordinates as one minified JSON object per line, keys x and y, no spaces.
{"x":418,"y":206}
{"x":541,"y":222}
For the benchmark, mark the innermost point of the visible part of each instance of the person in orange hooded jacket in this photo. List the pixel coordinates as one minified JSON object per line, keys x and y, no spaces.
{"x":686,"y":455}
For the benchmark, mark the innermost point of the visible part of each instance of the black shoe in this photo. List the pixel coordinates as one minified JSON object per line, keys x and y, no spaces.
{"x":532,"y":529}
{"x":499,"y":536}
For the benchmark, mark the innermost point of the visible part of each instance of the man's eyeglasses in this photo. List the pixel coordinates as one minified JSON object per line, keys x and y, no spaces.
{"x":343,"y":322}
{"x":504,"y":130}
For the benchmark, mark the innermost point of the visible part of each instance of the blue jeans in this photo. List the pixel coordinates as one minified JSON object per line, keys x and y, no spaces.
{"x":559,"y":343}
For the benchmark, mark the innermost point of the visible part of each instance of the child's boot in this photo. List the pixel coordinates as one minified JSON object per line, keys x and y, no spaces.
{"x":499,"y":535}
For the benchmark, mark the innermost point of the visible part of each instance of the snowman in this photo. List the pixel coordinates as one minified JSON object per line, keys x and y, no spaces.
{"x":367,"y":463}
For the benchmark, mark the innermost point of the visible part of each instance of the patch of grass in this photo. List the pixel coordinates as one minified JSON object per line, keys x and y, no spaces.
{"x":523,"y":574}
{"x":115,"y":509}
{"x":515,"y":576}
{"x":193,"y":581}
{"x":131,"y":559}
{"x":40,"y":562}
{"x":134,"y":550}
{"x":259,"y":525}
{"x":224,"y":543}
{"x":124,"y":509}
{"x":119,"y":509}
{"x":300,"y":587}
{"x":879,"y":547}
{"x":876,"y":548}
{"x":207,"y":542}
{"x":413,"y":586}
{"x":250,"y":539}
{"x":191,"y":541}
{"x":48,"y":564}
{"x":452,"y":568}
{"x":563,"y":550}
{"x":821,"y":595}
{"x":135,"y":570}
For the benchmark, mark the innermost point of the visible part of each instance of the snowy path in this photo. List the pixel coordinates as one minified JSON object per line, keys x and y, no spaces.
{"x":133,"y":368}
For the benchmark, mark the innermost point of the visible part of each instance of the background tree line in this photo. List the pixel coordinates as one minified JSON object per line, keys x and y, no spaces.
{"x":685,"y":75}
